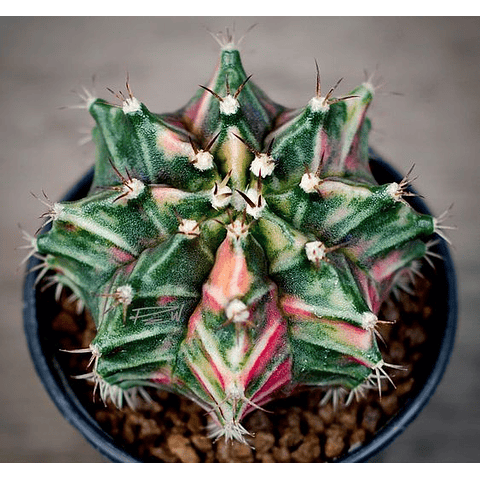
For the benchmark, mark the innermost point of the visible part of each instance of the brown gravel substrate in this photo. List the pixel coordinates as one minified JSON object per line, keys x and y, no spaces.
{"x":172,"y":429}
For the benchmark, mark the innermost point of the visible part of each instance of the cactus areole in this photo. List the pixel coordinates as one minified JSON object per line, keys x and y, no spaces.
{"x":234,"y":251}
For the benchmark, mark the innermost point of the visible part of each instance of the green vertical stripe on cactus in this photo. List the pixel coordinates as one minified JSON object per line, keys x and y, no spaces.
{"x":234,"y":250}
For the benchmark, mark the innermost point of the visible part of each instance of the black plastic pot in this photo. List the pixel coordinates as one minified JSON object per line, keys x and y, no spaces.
{"x":56,"y":383}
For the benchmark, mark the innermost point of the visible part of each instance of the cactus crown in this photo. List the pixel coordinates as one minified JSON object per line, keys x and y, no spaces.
{"x":234,"y":250}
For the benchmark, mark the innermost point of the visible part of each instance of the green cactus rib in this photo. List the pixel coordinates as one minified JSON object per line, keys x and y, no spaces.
{"x":235,"y":250}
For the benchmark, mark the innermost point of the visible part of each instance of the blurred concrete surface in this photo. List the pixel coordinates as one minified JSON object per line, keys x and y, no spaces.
{"x":434,"y":62}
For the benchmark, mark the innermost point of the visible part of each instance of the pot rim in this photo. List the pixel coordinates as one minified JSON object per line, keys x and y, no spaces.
{"x":57,"y":386}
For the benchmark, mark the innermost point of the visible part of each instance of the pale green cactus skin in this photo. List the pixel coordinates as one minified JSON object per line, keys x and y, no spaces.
{"x":235,"y":250}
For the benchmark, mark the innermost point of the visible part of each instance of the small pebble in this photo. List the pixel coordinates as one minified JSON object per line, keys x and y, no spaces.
{"x":357,"y":437}
{"x":335,"y":443}
{"x":389,"y":404}
{"x":314,"y":422}
{"x":327,"y":413}
{"x":371,"y":417}
{"x":263,"y":442}
{"x":181,"y":448}
{"x":202,"y":443}
{"x":308,"y":451}
{"x":281,"y":454}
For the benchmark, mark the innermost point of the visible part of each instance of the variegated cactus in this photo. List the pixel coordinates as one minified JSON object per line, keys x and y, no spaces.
{"x":235,"y":250}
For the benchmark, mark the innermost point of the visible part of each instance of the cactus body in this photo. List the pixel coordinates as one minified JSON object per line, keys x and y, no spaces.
{"x":235,"y":250}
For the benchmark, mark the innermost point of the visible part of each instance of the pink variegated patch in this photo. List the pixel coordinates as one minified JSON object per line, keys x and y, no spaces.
{"x":165,"y":300}
{"x":349,"y":334}
{"x":121,"y":256}
{"x":167,"y":195}
{"x":385,"y":267}
{"x":294,"y":307}
{"x":171,"y":145}
{"x":230,"y":277}
{"x":162,"y":376}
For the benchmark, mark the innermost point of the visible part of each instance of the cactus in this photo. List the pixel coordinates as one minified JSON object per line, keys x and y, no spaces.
{"x":234,"y":251}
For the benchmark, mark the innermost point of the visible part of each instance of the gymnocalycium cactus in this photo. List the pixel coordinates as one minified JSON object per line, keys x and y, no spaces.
{"x":234,"y":250}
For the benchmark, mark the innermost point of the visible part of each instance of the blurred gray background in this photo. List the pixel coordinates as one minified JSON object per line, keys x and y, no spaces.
{"x":434,"y":62}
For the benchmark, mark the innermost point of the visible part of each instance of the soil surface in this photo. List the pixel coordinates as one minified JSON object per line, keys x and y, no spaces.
{"x":298,"y":429}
